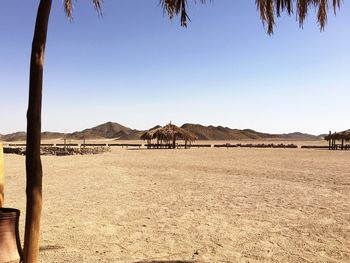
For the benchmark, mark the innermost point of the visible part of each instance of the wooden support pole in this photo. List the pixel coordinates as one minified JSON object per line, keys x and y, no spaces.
{"x":174,"y":142}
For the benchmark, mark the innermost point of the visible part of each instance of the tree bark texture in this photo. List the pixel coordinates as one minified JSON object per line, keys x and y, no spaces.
{"x":33,"y":161}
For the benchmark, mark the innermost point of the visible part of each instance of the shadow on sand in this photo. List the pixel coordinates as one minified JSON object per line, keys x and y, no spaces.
{"x":158,"y":149}
{"x":50,"y":247}
{"x":137,"y":149}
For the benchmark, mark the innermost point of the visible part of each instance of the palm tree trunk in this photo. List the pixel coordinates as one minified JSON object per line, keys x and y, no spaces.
{"x":33,"y":161}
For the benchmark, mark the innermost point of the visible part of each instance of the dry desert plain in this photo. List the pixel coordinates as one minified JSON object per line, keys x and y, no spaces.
{"x":196,"y":205}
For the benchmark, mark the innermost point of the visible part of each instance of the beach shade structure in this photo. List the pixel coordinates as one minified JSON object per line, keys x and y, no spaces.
{"x":150,"y":135}
{"x":167,"y":136}
{"x":342,"y":137}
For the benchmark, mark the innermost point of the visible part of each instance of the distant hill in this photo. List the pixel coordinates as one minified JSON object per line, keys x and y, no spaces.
{"x":103,"y":131}
{"x":225,"y":133}
{"x":107,"y":130}
{"x":135,"y":134}
{"x":113,"y":130}
{"x":52,"y":135}
{"x":17,"y":136}
{"x":323,"y":135}
{"x":299,"y":135}
{"x":21,"y":136}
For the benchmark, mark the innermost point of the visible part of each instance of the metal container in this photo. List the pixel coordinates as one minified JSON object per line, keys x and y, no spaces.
{"x":10,"y":244}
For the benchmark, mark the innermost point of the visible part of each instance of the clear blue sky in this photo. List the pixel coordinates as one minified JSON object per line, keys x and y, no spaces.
{"x":135,"y":67}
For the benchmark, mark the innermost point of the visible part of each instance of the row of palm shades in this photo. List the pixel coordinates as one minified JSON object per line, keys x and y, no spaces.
{"x":166,"y":137}
{"x":342,"y":137}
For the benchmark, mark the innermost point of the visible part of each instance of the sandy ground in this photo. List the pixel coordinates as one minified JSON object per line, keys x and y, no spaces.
{"x":205,"y":205}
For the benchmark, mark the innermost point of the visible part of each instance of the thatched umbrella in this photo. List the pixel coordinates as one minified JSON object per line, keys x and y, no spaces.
{"x":343,"y":136}
{"x":339,"y":136}
{"x":347,"y":135}
{"x":150,"y":135}
{"x":168,"y":135}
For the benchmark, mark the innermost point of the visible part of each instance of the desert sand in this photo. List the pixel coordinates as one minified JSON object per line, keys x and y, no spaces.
{"x":200,"y":205}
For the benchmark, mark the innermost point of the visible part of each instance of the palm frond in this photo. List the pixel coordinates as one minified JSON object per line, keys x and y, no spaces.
{"x":269,"y":8}
{"x":68,"y":7}
{"x":98,"y":6}
{"x":178,"y":7}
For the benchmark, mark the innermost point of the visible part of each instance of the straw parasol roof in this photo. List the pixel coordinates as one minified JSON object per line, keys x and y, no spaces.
{"x":150,"y":134}
{"x":339,"y":136}
{"x":169,"y":132}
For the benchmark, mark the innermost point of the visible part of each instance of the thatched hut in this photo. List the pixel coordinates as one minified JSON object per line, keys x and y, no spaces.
{"x":150,"y":135}
{"x":342,"y":137}
{"x":167,"y":136}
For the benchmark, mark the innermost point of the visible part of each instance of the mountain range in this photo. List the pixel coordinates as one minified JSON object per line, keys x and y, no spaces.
{"x":113,"y":130}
